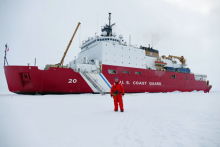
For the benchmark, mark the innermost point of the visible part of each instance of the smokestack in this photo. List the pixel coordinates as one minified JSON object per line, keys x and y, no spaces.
{"x":149,"y":45}
{"x":129,"y":40}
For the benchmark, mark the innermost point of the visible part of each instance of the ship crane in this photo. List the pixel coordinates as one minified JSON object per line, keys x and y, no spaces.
{"x":61,"y":62}
{"x":181,"y":59}
{"x":164,"y":57}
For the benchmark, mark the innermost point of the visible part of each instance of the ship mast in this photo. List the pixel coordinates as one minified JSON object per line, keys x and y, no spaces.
{"x":5,"y":59}
{"x":109,"y":19}
{"x":108,"y":28}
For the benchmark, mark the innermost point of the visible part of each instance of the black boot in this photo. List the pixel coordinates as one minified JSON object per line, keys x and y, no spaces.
{"x":122,"y":110}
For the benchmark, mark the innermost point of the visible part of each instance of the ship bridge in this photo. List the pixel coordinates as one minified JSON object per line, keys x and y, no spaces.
{"x":94,"y":40}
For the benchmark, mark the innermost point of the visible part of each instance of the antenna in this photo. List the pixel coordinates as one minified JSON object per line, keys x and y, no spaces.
{"x":152,"y":41}
{"x":97,"y":21}
{"x":109,"y":19}
{"x":146,"y":40}
{"x":5,"y":59}
{"x":79,"y":34}
{"x":129,"y":40}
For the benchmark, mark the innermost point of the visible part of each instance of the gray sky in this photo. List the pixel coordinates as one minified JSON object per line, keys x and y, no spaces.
{"x":42,"y":29}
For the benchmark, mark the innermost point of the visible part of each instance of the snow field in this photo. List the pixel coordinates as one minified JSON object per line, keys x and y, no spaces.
{"x":87,"y":120}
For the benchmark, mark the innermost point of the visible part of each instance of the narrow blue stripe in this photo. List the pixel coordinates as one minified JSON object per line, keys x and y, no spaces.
{"x":105,"y":81}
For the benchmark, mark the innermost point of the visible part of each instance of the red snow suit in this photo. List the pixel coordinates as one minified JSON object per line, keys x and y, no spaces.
{"x":118,"y":97}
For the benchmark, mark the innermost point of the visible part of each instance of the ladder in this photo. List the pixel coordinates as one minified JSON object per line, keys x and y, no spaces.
{"x":93,"y":82}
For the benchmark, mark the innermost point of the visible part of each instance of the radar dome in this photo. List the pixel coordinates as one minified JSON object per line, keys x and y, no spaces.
{"x":104,"y":33}
{"x":114,"y":34}
{"x":120,"y":36}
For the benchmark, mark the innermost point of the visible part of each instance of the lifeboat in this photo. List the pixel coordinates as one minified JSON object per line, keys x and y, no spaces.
{"x":160,"y":63}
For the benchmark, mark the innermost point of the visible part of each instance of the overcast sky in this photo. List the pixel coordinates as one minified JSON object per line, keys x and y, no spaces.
{"x":42,"y":29}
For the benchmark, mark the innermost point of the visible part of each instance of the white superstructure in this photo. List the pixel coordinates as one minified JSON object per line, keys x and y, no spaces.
{"x":111,"y":50}
{"x":108,"y":49}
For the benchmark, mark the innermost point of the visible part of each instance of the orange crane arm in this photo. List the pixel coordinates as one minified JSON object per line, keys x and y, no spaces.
{"x":174,"y":57}
{"x":182,"y":59}
{"x":168,"y":58}
{"x":61,"y":62}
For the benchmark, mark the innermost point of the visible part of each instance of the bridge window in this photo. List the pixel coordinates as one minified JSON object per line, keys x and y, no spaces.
{"x":110,"y":38}
{"x":111,"y":71}
{"x":126,"y":72}
{"x":106,"y":39}
{"x":139,"y":73}
{"x":97,"y":39}
{"x":173,"y":76}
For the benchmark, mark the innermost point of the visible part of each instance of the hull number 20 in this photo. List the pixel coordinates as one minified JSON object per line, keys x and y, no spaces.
{"x":72,"y":80}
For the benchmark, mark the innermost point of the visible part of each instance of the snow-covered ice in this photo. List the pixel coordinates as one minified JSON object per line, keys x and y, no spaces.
{"x":88,"y":120}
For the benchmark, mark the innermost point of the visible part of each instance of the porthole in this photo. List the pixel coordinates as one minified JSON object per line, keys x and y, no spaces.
{"x":173,"y":76}
{"x":110,"y":71}
{"x":138,"y":73}
{"x":126,"y":72}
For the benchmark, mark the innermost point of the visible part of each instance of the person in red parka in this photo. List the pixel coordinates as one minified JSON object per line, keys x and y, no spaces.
{"x":117,"y":91}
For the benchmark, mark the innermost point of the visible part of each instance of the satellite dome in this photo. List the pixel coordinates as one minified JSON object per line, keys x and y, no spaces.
{"x":114,"y":34}
{"x":104,"y":33}
{"x":120,"y":36}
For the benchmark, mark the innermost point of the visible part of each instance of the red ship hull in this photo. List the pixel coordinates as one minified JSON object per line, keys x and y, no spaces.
{"x":51,"y":81}
{"x":154,"y":80}
{"x":31,"y":80}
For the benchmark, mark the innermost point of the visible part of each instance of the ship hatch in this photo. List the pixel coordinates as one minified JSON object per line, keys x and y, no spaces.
{"x":25,"y":77}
